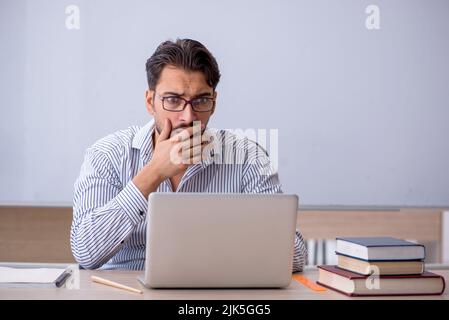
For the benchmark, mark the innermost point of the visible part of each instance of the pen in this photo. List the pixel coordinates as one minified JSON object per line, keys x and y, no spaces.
{"x":62,"y":278}
{"x":114,"y":284}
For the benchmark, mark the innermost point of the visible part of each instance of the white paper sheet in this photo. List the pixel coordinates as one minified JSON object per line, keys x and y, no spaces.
{"x":29,"y":275}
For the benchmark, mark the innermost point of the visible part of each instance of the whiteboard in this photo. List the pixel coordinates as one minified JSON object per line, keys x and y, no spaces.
{"x":361,"y":112}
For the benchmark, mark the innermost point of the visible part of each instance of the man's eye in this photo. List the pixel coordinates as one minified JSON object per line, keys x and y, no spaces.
{"x":172,"y":100}
{"x":200,"y":101}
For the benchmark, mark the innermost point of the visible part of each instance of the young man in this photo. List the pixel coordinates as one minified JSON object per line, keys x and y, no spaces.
{"x":121,"y":170}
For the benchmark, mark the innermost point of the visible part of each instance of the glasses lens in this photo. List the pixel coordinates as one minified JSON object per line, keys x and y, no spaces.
{"x":173,"y":103}
{"x":202,"y":104}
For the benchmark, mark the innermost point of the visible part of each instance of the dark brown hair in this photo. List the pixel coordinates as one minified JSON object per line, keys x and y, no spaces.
{"x":187,"y":54}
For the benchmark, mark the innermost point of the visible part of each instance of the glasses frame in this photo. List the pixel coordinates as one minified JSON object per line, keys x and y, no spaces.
{"x":186,"y":102}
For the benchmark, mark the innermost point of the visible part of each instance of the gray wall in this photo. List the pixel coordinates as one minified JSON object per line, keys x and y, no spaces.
{"x":362,"y":114}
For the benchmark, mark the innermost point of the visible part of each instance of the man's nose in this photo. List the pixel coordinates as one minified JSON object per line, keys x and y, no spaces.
{"x":188,"y":115}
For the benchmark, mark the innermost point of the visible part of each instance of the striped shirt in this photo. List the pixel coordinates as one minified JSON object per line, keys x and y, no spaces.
{"x":109,"y":213}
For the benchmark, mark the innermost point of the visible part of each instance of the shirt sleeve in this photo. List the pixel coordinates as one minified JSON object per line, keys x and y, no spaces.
{"x":104,"y":211}
{"x":259,"y":176}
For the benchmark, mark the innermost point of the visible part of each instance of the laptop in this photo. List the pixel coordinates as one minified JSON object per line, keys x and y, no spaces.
{"x":210,"y":240}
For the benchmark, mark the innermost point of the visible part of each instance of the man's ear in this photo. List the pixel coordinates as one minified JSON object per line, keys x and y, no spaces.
{"x":149,"y":101}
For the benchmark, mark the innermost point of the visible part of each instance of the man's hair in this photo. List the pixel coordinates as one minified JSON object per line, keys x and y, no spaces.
{"x":187,"y":54}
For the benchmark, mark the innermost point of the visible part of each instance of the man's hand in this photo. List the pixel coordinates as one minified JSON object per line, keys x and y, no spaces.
{"x":171,"y":156}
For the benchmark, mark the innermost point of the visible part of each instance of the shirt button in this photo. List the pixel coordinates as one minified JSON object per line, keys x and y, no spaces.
{"x":141,"y":213}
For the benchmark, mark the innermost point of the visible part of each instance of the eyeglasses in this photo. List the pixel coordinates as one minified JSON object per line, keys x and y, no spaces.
{"x":178,"y":104}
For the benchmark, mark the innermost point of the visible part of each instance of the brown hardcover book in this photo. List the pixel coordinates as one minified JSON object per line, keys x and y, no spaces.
{"x":353,"y":284}
{"x":380,"y":267}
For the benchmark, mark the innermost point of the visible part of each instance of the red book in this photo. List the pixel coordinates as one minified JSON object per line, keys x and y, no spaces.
{"x":353,"y":284}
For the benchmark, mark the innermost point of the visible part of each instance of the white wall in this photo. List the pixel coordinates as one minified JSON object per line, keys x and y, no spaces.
{"x":362,"y":114}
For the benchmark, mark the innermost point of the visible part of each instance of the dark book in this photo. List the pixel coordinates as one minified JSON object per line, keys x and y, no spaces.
{"x":380,"y":249}
{"x":353,"y":284}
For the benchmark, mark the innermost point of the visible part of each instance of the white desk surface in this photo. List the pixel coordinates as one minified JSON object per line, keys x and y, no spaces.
{"x":90,"y":290}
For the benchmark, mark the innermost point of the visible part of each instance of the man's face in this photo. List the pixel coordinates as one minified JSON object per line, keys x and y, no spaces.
{"x":174,"y":81}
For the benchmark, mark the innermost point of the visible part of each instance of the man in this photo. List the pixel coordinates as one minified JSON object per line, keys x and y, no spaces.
{"x":121,"y":170}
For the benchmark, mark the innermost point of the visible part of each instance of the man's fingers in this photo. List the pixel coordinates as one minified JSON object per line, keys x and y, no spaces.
{"x":191,"y":152}
{"x":187,"y":156}
{"x":186,"y":133}
{"x":183,"y":151}
{"x":193,"y":142}
{"x":165,"y":131}
{"x":192,"y":160}
{"x":183,"y":135}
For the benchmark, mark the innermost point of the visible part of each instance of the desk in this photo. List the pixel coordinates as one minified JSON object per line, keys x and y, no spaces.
{"x":91,"y":290}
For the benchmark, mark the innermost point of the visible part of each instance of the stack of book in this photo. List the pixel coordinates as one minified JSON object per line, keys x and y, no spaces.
{"x":380,"y":266}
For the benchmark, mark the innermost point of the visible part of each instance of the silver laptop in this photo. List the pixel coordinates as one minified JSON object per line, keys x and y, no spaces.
{"x":199,"y":240}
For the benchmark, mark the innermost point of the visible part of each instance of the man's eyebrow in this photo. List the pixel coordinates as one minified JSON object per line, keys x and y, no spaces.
{"x":170,"y":93}
{"x":204,"y":94}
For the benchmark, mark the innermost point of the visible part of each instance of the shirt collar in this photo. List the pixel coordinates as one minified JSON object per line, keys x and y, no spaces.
{"x":143,"y":140}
